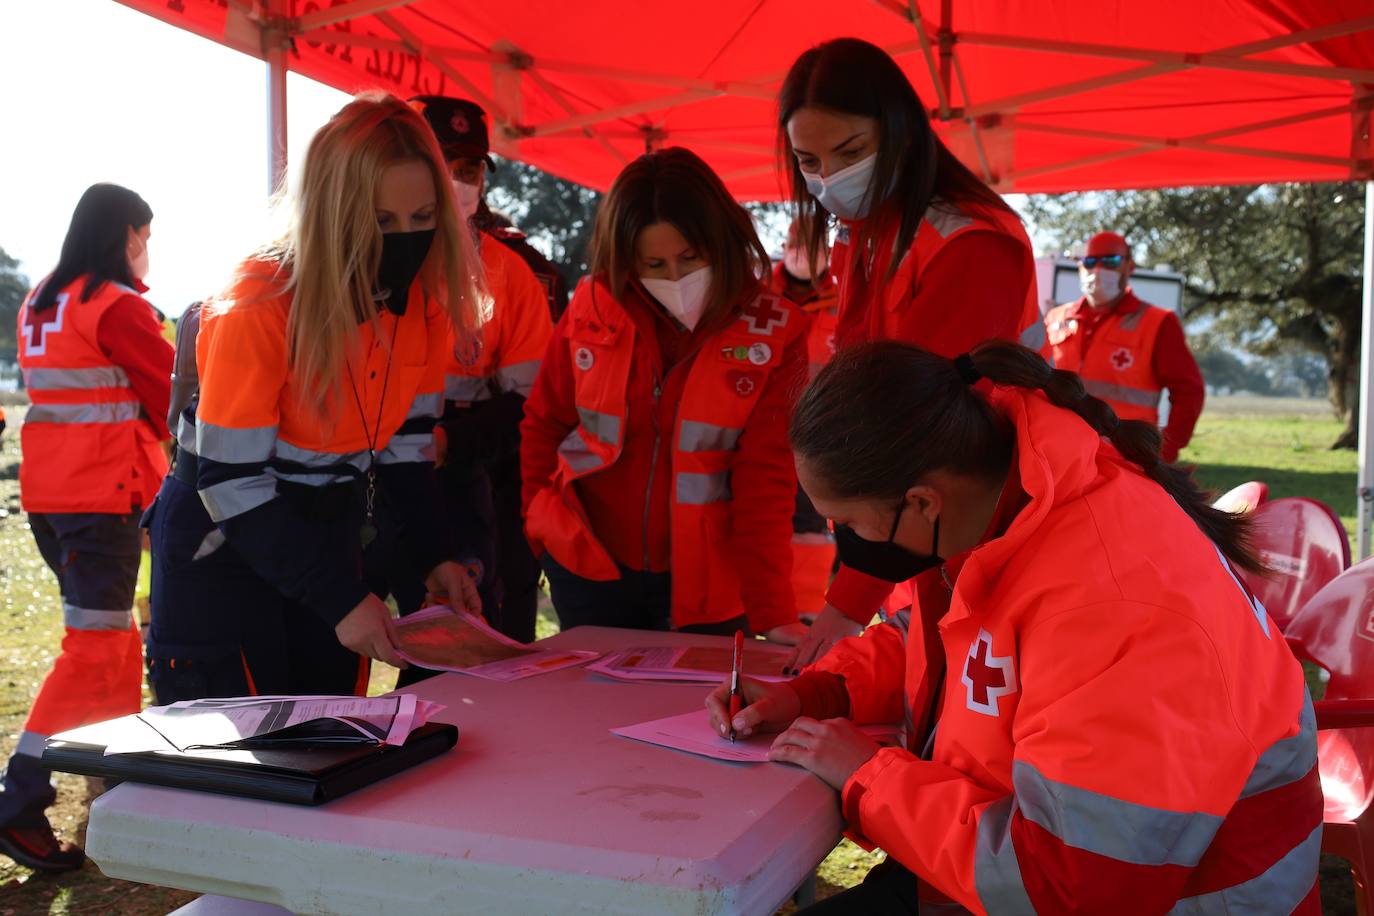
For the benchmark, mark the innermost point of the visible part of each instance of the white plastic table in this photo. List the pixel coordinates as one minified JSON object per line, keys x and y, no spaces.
{"x":539,"y":809}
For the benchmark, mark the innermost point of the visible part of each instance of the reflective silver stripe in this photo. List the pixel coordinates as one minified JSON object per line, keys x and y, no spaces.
{"x":408,"y":448}
{"x":707,"y":437}
{"x":518,"y":377}
{"x":465,"y":388}
{"x":1287,"y":760}
{"x":604,"y":426}
{"x":947,"y":219}
{"x":700,"y":489}
{"x":1033,"y":337}
{"x":58,"y":379}
{"x":234,"y":446}
{"x":576,"y":453}
{"x":312,"y":478}
{"x":311,"y":458}
{"x":426,"y":405}
{"x":996,"y":873}
{"x":107,"y":412}
{"x":1279,"y":889}
{"x":1112,"y":827}
{"x":1132,"y":321}
{"x":84,"y":618}
{"x":31,"y":744}
{"x":235,"y":497}
{"x":1139,"y":397}
{"x":209,"y":544}
{"x":186,"y":435}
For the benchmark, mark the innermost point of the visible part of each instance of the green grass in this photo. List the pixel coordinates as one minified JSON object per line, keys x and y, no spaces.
{"x":1283,"y":443}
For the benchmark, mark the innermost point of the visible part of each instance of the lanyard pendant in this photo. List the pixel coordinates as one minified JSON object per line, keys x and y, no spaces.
{"x":368,"y":533}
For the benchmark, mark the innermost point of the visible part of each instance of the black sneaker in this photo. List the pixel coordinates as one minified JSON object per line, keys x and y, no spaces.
{"x":34,"y":846}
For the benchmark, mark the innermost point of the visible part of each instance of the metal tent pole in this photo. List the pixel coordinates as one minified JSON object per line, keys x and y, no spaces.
{"x":275,"y":45}
{"x":1365,"y":492}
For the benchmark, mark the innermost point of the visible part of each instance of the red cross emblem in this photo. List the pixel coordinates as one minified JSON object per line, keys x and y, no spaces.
{"x":987,"y":676}
{"x":1123,"y":359}
{"x":38,"y":329}
{"x":743,"y":383}
{"x":763,"y":315}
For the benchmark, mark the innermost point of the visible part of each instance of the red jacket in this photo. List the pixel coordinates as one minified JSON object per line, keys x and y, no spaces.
{"x":1122,"y":726}
{"x":966,"y":279}
{"x":99,"y":373}
{"x":1127,"y":354}
{"x":627,"y":499}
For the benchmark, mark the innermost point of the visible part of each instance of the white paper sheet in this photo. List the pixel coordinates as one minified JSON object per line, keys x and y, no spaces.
{"x":224,"y":720}
{"x":703,"y":665}
{"x":441,"y":639}
{"x":692,"y":732}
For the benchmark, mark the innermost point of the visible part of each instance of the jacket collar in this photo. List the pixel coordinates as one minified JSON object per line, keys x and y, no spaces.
{"x":1057,"y":460}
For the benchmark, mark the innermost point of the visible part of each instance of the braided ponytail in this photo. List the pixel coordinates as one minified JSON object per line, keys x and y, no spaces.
{"x":1139,"y":442}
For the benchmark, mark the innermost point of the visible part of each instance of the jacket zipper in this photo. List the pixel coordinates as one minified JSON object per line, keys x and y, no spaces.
{"x":653,"y":467}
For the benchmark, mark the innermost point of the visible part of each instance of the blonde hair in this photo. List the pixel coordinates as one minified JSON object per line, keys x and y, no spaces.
{"x":332,"y":246}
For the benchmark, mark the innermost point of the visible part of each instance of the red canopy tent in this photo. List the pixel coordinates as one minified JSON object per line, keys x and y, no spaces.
{"x":1044,"y":96}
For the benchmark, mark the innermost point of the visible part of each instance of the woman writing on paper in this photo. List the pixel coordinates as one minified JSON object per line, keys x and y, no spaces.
{"x":1121,"y":727}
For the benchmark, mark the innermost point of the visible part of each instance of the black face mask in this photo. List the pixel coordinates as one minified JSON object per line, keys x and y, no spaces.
{"x":402,"y":255}
{"x":886,"y":560}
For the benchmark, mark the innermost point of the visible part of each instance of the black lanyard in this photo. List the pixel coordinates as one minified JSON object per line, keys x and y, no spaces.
{"x":368,"y":533}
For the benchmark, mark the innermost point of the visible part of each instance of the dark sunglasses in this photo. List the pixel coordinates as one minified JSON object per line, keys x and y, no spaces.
{"x":1110,"y":260}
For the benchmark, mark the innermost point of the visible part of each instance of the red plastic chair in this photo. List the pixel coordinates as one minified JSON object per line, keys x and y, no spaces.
{"x":1245,"y":498}
{"x":1304,"y":545}
{"x":1335,"y":630}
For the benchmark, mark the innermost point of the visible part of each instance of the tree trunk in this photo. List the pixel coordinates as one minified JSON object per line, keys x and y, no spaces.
{"x":1343,"y":384}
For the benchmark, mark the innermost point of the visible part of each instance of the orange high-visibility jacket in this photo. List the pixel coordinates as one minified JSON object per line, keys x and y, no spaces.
{"x":255,"y":428}
{"x":1118,"y":366}
{"x":504,"y":353}
{"x":1122,"y":727}
{"x":726,"y":378}
{"x":87,"y":441}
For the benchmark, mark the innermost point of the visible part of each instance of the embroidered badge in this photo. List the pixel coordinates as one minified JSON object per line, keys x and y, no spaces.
{"x":583,"y":358}
{"x":1122,"y":359}
{"x":743,"y":382}
{"x":986,"y":676}
{"x":764,"y":314}
{"x":459,"y":122}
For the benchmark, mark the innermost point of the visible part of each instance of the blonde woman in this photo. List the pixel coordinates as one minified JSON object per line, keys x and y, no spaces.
{"x":310,"y":440}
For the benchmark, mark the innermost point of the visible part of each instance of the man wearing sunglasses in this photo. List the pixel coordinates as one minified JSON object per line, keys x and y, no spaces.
{"x":1127,"y":351}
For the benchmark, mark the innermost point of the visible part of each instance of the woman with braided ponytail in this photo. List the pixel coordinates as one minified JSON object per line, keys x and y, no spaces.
{"x":1120,"y":726}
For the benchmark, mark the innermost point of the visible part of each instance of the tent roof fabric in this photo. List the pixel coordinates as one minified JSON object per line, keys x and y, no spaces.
{"x":1046,"y":96}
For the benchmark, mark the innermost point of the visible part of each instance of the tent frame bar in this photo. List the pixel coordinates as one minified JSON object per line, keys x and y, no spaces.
{"x":1364,"y":486}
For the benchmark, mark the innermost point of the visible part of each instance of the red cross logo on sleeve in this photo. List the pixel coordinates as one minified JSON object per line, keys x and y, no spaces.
{"x":763,"y":315}
{"x":37,"y":329}
{"x":1122,"y":359}
{"x":986,"y":676}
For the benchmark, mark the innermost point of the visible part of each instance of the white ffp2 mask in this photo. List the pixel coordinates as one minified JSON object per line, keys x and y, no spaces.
{"x":845,"y":193}
{"x":685,"y":299}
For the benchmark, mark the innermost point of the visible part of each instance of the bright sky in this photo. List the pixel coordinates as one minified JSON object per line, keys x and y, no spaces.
{"x":95,"y":91}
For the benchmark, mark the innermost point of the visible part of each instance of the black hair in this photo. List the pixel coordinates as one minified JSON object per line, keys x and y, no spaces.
{"x":843,"y":428}
{"x":96,"y":243}
{"x":854,"y":77}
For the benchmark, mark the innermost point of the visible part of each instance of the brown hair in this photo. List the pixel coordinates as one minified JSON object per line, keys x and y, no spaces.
{"x":675,"y":186}
{"x":853,"y":77}
{"x":882,"y":415}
